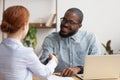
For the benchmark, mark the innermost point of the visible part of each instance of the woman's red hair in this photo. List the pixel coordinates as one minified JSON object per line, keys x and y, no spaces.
{"x":14,"y":18}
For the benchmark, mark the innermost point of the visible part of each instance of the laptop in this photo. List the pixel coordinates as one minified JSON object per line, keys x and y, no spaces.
{"x":105,"y":67}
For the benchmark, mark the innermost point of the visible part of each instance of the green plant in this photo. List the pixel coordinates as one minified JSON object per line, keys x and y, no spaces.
{"x":31,"y":39}
{"x":108,"y":47}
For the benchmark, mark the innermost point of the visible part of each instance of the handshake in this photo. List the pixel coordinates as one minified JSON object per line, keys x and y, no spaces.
{"x":52,"y":56}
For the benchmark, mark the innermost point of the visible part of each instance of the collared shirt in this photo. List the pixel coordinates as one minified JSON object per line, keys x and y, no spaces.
{"x":18,"y":62}
{"x":72,"y":50}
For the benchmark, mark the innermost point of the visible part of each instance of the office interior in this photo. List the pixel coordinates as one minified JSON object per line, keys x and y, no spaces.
{"x":100,"y":16}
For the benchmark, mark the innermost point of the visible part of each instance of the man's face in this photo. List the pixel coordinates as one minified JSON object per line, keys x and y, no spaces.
{"x":69,"y":24}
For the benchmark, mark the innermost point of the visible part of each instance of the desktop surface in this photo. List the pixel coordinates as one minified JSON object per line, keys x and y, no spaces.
{"x":56,"y":76}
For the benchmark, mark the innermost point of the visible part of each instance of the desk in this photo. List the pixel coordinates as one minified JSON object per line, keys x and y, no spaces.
{"x":72,"y":78}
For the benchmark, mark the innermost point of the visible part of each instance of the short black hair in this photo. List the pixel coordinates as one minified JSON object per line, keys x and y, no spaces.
{"x":78,"y":12}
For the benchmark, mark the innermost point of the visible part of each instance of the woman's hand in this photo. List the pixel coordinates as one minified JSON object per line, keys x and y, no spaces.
{"x":53,"y":56}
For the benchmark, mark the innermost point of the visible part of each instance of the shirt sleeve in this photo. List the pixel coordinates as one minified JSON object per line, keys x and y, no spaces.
{"x":95,"y":45}
{"x":47,"y":48}
{"x":39,"y":69}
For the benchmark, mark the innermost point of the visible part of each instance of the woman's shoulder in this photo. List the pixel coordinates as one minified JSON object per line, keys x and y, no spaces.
{"x":26,"y":49}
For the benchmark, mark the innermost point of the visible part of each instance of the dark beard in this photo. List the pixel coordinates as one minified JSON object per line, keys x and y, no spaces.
{"x":68,"y":35}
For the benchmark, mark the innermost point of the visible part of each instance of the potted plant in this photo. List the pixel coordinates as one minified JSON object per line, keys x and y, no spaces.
{"x":31,"y":40}
{"x":107,"y":47}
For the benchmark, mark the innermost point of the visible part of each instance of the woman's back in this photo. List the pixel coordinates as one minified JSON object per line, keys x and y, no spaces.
{"x":14,"y":60}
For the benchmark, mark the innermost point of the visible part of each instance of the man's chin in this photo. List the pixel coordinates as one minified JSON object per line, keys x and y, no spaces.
{"x":65,"y":35}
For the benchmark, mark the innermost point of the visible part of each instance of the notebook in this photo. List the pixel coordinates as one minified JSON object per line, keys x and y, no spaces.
{"x":101,"y":67}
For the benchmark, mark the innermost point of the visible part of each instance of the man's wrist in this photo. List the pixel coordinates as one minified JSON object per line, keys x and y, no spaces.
{"x":81,"y":69}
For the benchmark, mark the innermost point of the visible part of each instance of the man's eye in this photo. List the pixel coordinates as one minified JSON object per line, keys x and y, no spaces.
{"x":71,"y":22}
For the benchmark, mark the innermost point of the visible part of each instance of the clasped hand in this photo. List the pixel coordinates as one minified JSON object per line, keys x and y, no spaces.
{"x":53,"y":56}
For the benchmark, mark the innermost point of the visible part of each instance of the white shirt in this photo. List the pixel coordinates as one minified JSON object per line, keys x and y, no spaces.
{"x":18,"y":62}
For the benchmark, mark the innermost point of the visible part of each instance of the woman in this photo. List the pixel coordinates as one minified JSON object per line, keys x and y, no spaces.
{"x":16,"y":61}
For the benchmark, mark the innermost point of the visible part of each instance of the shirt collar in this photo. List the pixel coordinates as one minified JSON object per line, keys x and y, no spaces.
{"x":12,"y":41}
{"x":76,"y":36}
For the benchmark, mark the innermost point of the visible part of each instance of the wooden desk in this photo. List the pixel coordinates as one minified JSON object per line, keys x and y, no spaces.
{"x":74,"y":77}
{"x":37,"y":78}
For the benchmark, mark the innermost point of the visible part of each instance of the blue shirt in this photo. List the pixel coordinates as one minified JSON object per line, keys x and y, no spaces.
{"x":18,"y":62}
{"x":71,"y":51}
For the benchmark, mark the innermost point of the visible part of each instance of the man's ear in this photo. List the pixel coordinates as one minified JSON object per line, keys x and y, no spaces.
{"x":80,"y":25}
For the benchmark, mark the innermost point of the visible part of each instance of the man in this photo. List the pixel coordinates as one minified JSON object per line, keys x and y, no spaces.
{"x":70,"y":44}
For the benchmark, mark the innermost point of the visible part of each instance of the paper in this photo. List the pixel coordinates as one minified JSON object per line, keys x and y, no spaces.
{"x":54,"y":77}
{"x":79,"y":76}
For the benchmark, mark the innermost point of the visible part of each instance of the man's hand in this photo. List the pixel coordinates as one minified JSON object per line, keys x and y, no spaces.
{"x":51,"y":56}
{"x":70,"y":71}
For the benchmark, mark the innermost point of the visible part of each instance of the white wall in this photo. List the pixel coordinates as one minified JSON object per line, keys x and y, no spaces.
{"x":100,"y":16}
{"x":38,"y":9}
